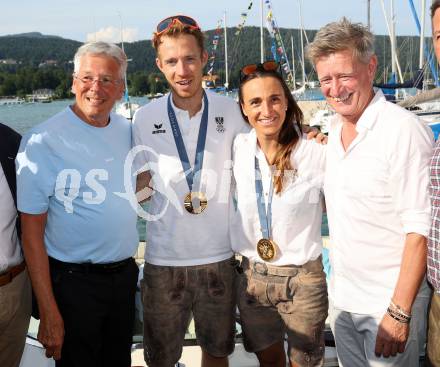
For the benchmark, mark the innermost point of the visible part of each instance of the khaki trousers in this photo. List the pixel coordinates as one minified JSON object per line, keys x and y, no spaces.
{"x":15,"y":312}
{"x":433,"y":348}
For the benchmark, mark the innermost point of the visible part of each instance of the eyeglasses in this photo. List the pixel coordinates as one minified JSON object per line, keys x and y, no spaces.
{"x":182,"y":19}
{"x":105,"y":81}
{"x":270,"y":65}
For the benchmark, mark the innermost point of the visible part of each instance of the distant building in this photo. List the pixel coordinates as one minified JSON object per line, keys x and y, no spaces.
{"x":8,"y":61}
{"x":42,"y":95}
{"x":48,"y":63}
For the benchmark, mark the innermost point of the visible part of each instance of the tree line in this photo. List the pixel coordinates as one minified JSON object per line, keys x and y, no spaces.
{"x":24,"y":80}
{"x":32,"y":51}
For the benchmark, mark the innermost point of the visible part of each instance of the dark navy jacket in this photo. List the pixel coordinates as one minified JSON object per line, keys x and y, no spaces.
{"x":9,"y":144}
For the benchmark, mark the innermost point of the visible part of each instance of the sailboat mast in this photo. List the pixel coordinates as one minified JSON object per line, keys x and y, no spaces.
{"x":369,"y":14}
{"x":123,"y":50}
{"x":301,"y":31}
{"x":393,"y":42}
{"x":293,"y":63}
{"x":126,"y":95}
{"x":433,"y":65}
{"x":303,"y":68}
{"x":261,"y":32}
{"x":301,"y":38}
{"x":226,"y":53}
{"x":392,"y":36}
{"x":422,"y":34}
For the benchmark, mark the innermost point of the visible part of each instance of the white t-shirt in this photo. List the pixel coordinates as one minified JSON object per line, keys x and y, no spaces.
{"x":296,"y":213}
{"x":10,"y":251}
{"x":174,"y":236}
{"x":376,"y":193}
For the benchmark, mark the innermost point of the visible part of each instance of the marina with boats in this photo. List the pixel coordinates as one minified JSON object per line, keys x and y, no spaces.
{"x":420,"y":94}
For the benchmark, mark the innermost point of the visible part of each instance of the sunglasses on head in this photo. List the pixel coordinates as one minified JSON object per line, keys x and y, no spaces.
{"x":182,"y":19}
{"x":270,"y":65}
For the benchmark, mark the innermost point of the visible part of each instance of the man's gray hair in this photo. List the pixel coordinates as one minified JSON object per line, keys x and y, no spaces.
{"x":102,"y":48}
{"x":342,"y":36}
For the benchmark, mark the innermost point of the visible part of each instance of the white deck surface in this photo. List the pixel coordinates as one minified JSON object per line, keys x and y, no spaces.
{"x":33,"y":356}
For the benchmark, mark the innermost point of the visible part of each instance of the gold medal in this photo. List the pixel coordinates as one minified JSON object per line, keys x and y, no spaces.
{"x":267,"y":249}
{"x":195,"y":202}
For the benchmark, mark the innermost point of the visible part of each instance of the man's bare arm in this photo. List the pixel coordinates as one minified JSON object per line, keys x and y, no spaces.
{"x":392,"y":335}
{"x":143,"y":188}
{"x":51,"y":329}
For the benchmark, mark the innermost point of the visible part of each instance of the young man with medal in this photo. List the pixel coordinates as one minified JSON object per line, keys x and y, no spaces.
{"x":276,"y":227}
{"x":184,"y":141}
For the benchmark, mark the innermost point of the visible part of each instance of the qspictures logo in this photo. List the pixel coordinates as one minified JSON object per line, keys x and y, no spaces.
{"x":92,"y":187}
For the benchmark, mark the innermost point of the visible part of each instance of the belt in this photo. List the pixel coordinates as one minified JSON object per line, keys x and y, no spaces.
{"x":90,"y":267}
{"x":11,"y":273}
{"x":283,"y":271}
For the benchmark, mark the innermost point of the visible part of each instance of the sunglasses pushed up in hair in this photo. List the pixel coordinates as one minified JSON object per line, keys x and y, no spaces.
{"x":184,"y":20}
{"x":270,"y":65}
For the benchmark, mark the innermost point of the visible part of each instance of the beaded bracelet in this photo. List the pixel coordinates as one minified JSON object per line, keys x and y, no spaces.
{"x":398,"y":317}
{"x":399,"y":309}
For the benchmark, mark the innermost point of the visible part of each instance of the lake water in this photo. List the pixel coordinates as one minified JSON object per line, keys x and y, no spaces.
{"x":22,"y":117}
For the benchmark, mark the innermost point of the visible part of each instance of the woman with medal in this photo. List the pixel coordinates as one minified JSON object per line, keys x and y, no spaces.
{"x":276,"y":225}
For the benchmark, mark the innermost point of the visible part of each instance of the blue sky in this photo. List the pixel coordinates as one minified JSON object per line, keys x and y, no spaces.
{"x":80,"y":19}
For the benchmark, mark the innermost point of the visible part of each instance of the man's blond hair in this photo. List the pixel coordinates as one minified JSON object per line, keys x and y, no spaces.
{"x":342,"y":36}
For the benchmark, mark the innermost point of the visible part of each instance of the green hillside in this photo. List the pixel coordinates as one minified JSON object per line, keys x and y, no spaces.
{"x":31,"y":51}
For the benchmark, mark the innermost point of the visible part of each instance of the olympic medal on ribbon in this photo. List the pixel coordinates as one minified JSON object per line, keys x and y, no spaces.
{"x":267,"y":249}
{"x":195,"y":208}
{"x":191,"y":172}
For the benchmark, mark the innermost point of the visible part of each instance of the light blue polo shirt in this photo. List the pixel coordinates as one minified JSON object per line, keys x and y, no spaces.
{"x":75,"y":172}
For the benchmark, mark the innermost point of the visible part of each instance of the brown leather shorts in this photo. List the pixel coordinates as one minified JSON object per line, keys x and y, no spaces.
{"x":172,"y":294}
{"x":293,"y":302}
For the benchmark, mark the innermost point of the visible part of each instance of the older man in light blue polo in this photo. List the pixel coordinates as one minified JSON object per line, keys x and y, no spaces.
{"x":79,"y":233}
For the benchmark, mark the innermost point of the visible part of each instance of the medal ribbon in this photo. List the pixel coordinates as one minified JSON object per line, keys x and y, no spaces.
{"x":180,"y":145}
{"x":265,"y":216}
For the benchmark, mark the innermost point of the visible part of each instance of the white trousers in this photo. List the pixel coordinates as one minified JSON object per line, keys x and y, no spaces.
{"x":355,"y":337}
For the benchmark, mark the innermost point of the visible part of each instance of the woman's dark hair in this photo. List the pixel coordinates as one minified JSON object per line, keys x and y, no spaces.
{"x":291,"y":129}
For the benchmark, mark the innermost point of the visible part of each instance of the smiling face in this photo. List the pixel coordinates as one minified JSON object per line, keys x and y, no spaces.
{"x":94,"y":101}
{"x":264,"y":104}
{"x":346,"y":83}
{"x":181,"y":61}
{"x":436,"y":33}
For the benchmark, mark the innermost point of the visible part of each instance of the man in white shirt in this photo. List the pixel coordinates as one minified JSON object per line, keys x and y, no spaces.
{"x":185,"y":138}
{"x":15,"y":289}
{"x":376,"y":189}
